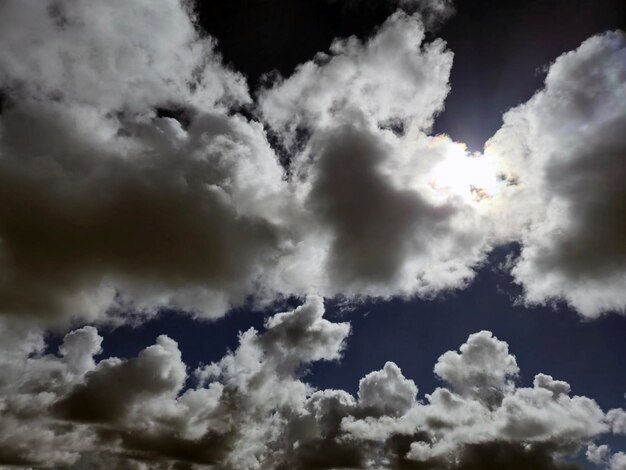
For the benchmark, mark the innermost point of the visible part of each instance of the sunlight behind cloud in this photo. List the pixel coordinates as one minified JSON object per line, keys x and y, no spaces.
{"x":472,"y":177}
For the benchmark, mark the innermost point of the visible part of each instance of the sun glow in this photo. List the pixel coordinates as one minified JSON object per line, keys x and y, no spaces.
{"x":473,"y":177}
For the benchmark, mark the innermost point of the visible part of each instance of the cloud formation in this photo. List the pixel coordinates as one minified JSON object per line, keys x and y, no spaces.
{"x":565,"y":149}
{"x":374,"y":224}
{"x":105,"y":205}
{"x":136,"y":172}
{"x":128,"y":183}
{"x":252,"y":409}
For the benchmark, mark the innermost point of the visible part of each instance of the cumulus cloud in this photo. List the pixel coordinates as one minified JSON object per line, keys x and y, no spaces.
{"x":113,"y":55}
{"x":105,"y":205}
{"x":161,"y":215}
{"x":565,"y":150}
{"x":108,"y":206}
{"x":253,"y":409}
{"x":373,"y":222}
{"x":382,"y":230}
{"x":356,"y":75}
{"x":483,"y":369}
{"x":387,"y":391}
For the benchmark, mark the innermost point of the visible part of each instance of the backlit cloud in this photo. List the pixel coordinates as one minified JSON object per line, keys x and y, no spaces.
{"x":565,"y":148}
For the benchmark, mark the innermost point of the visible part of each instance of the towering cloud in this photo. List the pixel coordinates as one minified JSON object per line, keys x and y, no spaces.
{"x":251,"y":409}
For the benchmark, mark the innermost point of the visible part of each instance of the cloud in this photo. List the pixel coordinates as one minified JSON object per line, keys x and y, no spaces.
{"x":356,"y":75}
{"x":253,"y":408}
{"x":372,"y":222}
{"x":387,"y":391}
{"x":618,"y":461}
{"x":597,"y":454}
{"x":565,"y":149}
{"x":157,"y":371}
{"x":483,"y":369}
{"x":158,"y":216}
{"x":109,"y":207}
{"x":386,"y":239}
{"x":601,"y":455}
{"x":114,"y":55}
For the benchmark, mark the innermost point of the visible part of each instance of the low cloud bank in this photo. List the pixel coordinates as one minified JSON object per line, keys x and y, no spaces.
{"x":253,"y":409}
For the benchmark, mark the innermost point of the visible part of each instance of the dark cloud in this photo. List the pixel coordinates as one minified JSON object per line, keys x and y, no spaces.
{"x":512,"y":456}
{"x":83,"y":223}
{"x":110,"y":390}
{"x":374,"y":226}
{"x":106,"y":206}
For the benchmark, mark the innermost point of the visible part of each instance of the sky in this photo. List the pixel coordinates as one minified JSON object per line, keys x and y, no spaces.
{"x":304,"y":234}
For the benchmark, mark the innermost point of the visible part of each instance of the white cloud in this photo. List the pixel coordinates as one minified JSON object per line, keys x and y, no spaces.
{"x":113,"y":55}
{"x":618,"y":461}
{"x":252,"y":409}
{"x":376,"y":227}
{"x":565,"y":149}
{"x":357,"y":76}
{"x":484,"y":369}
{"x":387,"y":391}
{"x":372,"y":222}
{"x":107,"y":208}
{"x":598,"y":454}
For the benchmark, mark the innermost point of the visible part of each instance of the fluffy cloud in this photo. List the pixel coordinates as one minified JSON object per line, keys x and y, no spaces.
{"x":252,"y":409}
{"x":462,"y":426}
{"x":114,"y":55}
{"x":565,"y":149}
{"x":373,"y":222}
{"x":483,"y":369}
{"x":109,"y":207}
{"x":387,"y":391}
{"x":106,"y":206}
{"x":378,"y":227}
{"x":356,"y":76}
{"x":160,"y":215}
